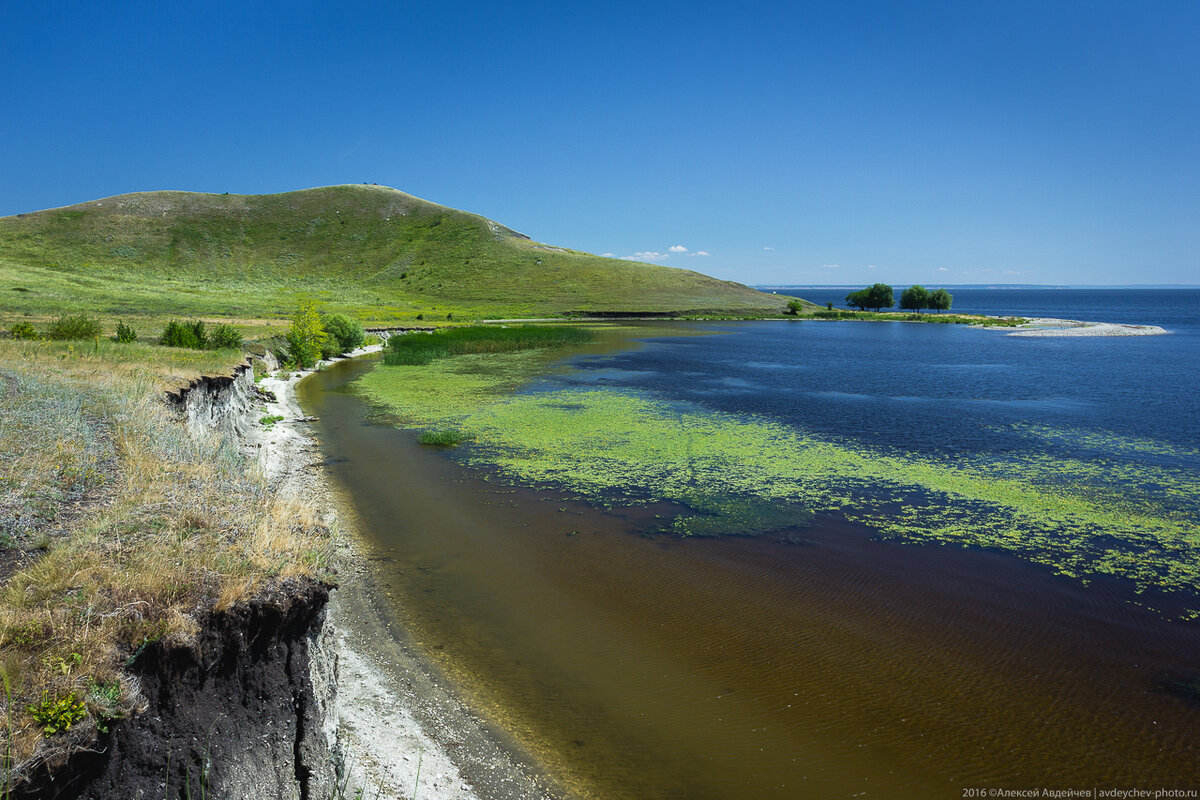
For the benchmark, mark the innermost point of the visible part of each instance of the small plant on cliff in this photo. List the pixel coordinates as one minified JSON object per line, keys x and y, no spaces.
{"x":306,"y":336}
{"x":268,"y":421}
{"x":56,"y":714}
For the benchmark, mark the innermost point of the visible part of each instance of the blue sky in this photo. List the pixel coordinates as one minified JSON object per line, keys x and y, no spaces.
{"x":839,"y":142}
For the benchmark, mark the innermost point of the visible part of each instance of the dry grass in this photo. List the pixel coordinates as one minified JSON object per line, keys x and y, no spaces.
{"x":158,"y":528}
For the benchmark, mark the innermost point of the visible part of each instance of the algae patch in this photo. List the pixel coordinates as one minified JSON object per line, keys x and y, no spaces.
{"x":1117,"y":513}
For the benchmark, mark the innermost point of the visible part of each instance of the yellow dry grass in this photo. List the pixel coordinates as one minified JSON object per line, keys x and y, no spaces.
{"x":168,"y":529}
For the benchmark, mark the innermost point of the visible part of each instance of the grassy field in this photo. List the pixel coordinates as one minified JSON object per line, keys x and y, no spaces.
{"x":118,"y":528}
{"x":374,"y":252}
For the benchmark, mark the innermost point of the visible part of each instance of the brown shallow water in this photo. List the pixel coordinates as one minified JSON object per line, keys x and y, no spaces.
{"x":635,"y":667}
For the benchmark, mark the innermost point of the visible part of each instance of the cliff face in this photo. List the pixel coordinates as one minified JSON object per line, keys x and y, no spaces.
{"x":246,"y":709}
{"x":217,"y":404}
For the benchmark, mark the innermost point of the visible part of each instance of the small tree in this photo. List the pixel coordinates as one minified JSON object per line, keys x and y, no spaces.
{"x":858,"y":300}
{"x":794,"y":307}
{"x":915,"y":297}
{"x":306,"y":336}
{"x":880,"y":297}
{"x":940,"y":300}
{"x":877,"y":296}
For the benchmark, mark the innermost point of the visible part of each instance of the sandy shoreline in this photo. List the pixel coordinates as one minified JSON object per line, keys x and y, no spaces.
{"x":1047,"y":327}
{"x":402,"y":732}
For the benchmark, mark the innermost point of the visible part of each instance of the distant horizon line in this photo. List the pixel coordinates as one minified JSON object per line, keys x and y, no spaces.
{"x":762,"y":286}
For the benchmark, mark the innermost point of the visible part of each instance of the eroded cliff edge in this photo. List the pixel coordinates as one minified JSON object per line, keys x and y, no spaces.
{"x":244,"y":708}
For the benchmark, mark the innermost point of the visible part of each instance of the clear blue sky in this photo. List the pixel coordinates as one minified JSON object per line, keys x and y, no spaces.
{"x":837,"y":142}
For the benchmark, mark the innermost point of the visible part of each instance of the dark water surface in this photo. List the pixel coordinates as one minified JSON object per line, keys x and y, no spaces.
{"x":637,"y":667}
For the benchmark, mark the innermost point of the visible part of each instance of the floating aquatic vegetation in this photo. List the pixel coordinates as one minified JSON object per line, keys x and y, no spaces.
{"x":1115,"y":514}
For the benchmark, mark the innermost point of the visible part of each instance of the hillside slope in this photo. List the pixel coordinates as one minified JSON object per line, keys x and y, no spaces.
{"x":376,"y":251}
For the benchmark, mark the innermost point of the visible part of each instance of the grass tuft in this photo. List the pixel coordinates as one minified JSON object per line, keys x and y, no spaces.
{"x":440,"y":438}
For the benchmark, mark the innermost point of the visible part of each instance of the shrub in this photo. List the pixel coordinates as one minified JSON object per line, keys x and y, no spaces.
{"x":330,"y":348}
{"x":23,"y":330}
{"x":185,"y":334}
{"x":347,"y":334}
{"x":225,"y":337}
{"x":78,"y":326}
{"x":125,"y":334}
{"x":794,"y":307}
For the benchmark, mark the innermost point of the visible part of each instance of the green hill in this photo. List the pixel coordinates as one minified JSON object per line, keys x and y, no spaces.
{"x":377,"y":252}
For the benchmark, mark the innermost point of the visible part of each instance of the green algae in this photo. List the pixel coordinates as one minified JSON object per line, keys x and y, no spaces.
{"x":1121,"y":513}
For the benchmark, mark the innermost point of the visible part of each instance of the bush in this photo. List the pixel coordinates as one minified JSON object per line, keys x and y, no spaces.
{"x":345,"y":334}
{"x":23,"y":330}
{"x":330,"y":349}
{"x":794,"y":307}
{"x":125,"y":334}
{"x":185,"y":334}
{"x":79,"y":326}
{"x":225,"y":337}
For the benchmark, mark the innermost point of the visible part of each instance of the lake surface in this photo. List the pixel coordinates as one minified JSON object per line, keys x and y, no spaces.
{"x":846,"y":665}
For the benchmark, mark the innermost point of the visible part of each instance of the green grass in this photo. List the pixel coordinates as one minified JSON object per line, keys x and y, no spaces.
{"x":422,"y":348}
{"x":377,"y":253}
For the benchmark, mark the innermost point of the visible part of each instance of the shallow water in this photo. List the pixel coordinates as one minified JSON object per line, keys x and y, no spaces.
{"x":730,"y":668}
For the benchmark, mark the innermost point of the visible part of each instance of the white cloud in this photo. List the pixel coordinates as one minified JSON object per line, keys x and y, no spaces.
{"x":765,"y":247}
{"x":677,"y":248}
{"x":608,"y":255}
{"x":645,"y":255}
{"x":701,"y":253}
{"x":872,"y":266}
{"x":943,"y":269}
{"x":1016,"y":272}
{"x":830,"y":266}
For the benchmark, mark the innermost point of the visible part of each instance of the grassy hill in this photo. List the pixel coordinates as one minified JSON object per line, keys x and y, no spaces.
{"x":377,"y":252}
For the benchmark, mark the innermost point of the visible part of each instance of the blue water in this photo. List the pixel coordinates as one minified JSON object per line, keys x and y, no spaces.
{"x":1168,"y":308}
{"x":944,"y":388}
